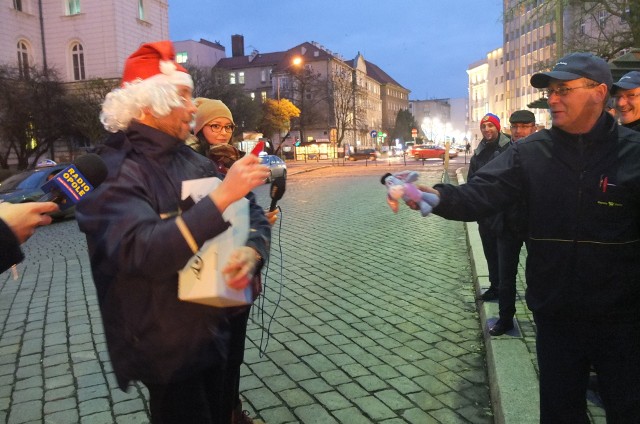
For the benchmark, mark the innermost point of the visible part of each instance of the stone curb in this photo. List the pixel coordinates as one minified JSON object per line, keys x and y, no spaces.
{"x":512,"y":378}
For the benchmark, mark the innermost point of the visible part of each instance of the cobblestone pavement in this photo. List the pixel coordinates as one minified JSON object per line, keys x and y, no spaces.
{"x":376,"y":320}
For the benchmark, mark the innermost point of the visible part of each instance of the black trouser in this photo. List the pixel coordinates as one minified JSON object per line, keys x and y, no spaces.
{"x":566,"y":352}
{"x":490,"y":248}
{"x":508,"y":257}
{"x":237,"y":320}
{"x":197,"y":399}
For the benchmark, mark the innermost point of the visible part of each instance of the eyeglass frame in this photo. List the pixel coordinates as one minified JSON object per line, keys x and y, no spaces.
{"x":522,"y":125}
{"x":563,"y":90}
{"x":627,"y":96}
{"x":229,"y":128}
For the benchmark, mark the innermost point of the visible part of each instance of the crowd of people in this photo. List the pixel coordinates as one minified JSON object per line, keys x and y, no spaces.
{"x":570,"y":193}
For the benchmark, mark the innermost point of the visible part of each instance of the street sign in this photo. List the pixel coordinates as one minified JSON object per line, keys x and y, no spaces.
{"x":414,"y":132}
{"x":373,"y":133}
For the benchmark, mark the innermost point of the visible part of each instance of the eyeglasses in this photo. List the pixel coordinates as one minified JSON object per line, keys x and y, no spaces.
{"x":216,"y":128}
{"x":563,"y":90}
{"x":521,"y":126}
{"x":627,"y":96}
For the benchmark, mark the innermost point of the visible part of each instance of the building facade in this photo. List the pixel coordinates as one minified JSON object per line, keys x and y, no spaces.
{"x":201,"y":54}
{"x":80,"y":39}
{"x":317,"y":80}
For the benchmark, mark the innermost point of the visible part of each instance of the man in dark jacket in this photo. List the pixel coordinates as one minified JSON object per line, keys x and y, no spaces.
{"x":140,"y":235}
{"x":511,"y":236}
{"x":17,"y":224}
{"x":581,"y":184}
{"x":626,"y":96}
{"x":492,"y":144}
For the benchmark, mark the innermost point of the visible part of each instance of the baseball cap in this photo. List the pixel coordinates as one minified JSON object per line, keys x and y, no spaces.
{"x":574,"y":66}
{"x":628,"y":81}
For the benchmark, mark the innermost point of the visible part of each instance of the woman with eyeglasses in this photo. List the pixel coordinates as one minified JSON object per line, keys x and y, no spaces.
{"x":214,"y":128}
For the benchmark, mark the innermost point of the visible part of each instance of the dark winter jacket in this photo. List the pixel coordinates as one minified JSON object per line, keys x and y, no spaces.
{"x":583,"y":204}
{"x":483,"y":154}
{"x":10,"y":253}
{"x":635,"y":125}
{"x":136,"y":251}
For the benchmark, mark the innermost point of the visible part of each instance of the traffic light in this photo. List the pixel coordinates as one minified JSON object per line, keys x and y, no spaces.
{"x":297,"y":141}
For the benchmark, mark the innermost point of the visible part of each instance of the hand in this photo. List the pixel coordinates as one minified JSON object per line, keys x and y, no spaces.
{"x":239,"y":271}
{"x":272,"y":216}
{"x":415,"y":205}
{"x":23,"y":218}
{"x":243,"y":176}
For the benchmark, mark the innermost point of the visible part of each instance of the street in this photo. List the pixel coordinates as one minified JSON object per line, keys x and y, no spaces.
{"x":374,"y":318}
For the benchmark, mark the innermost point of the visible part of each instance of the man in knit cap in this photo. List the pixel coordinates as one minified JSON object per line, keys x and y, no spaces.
{"x":511,"y":235}
{"x":492,"y":144}
{"x":626,"y":96}
{"x":140,"y":235}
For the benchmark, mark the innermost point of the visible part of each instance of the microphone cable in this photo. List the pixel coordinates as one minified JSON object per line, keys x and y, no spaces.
{"x":266,"y":318}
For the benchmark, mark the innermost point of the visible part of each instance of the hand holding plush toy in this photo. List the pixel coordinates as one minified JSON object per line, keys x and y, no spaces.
{"x":400,"y":186}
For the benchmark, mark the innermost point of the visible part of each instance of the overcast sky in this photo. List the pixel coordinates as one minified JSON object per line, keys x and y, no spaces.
{"x":425,"y":45}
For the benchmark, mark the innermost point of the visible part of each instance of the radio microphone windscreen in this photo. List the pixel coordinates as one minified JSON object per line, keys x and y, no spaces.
{"x":68,"y":186}
{"x":278,"y":186}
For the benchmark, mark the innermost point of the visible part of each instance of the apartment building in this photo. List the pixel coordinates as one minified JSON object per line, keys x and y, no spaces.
{"x":277,"y":75}
{"x":201,"y":54}
{"x":80,"y":39}
{"x":486,"y":92}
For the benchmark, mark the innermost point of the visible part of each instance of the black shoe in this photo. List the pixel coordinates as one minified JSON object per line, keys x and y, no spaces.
{"x":501,"y":327}
{"x":490,"y":294}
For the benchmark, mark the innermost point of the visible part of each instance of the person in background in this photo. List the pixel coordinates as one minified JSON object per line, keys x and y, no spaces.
{"x":581,"y":184}
{"x":18,"y":222}
{"x":626,"y":96}
{"x":214,"y":128}
{"x":492,"y":144}
{"x":512,"y":235}
{"x":140,"y":235}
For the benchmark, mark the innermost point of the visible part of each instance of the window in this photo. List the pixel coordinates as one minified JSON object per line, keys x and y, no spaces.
{"x":232,"y":78}
{"x":182,"y":57}
{"x":252,"y":95}
{"x":77,"y":57}
{"x":73,"y":7}
{"x":17,"y":4}
{"x":23,"y":59}
{"x":141,"y":10}
{"x":240,"y":77}
{"x":263,"y":75}
{"x":263,"y":96}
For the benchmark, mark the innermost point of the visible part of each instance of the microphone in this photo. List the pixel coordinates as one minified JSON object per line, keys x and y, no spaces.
{"x":278,"y":186}
{"x":68,"y":186}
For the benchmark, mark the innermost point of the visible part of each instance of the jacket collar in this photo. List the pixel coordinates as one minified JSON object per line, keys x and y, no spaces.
{"x":604,"y":127}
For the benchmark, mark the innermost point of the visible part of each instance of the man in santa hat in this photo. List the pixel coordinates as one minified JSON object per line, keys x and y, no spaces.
{"x":140,"y":235}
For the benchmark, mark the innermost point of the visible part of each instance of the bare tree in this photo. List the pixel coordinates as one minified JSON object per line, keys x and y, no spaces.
{"x":347,"y":110}
{"x":86,"y":98}
{"x":34,"y":110}
{"x":604,"y":27}
{"x":310,"y":93}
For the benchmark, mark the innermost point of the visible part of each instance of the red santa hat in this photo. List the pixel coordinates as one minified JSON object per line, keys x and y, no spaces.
{"x":155,"y":61}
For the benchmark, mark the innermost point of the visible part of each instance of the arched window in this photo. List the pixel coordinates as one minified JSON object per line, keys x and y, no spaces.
{"x":77,"y":59}
{"x":23,"y":59}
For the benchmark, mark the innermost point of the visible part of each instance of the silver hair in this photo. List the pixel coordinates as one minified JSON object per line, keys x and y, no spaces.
{"x":122,"y":105}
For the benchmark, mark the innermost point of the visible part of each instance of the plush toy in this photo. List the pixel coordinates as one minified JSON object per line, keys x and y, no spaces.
{"x":400,"y":186}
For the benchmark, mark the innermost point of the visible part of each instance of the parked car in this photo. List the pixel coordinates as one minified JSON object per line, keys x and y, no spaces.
{"x":453,"y":153}
{"x":427,"y":151}
{"x":368,"y":154}
{"x":25,"y":187}
{"x":277,"y":167}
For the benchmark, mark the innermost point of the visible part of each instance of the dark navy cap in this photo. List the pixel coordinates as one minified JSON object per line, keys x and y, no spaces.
{"x":522,"y":117}
{"x":574,"y":66}
{"x":628,"y":81}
